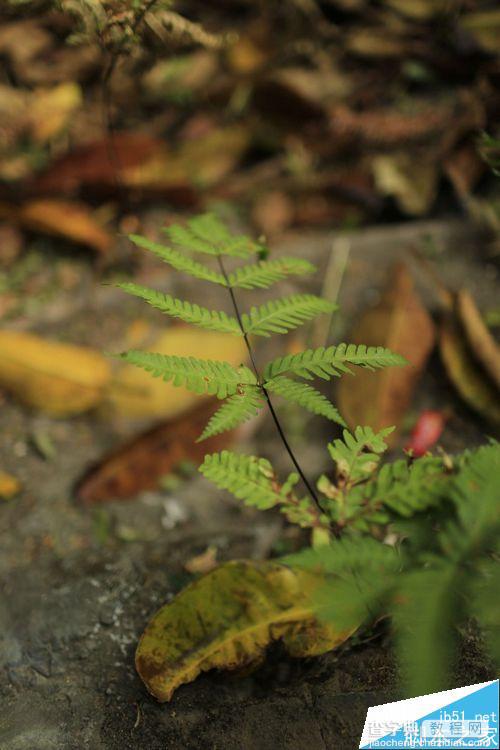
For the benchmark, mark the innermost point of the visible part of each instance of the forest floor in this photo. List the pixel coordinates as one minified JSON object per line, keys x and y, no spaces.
{"x":79,"y":583}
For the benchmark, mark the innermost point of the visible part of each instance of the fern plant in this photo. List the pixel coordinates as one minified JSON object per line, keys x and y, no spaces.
{"x":418,"y":539}
{"x":442,"y":569}
{"x":246,"y":390}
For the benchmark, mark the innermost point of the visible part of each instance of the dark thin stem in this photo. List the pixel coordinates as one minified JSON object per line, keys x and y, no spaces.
{"x":276,"y":421}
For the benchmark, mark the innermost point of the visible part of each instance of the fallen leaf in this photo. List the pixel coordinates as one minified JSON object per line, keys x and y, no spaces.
{"x":411,"y":180}
{"x":401,"y":323}
{"x":484,"y":28}
{"x":473,"y":385}
{"x":72,"y":221}
{"x":140,"y":162}
{"x":141,"y":463}
{"x":96,"y":164}
{"x":203,"y":563}
{"x":134,"y":393}
{"x":51,"y":110}
{"x":59,"y":379}
{"x":10,"y":486}
{"x":480,"y":340}
{"x":426,"y":433}
{"x":226,"y":620}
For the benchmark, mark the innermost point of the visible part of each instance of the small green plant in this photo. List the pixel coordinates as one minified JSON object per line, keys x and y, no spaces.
{"x":418,"y":538}
{"x":246,"y":390}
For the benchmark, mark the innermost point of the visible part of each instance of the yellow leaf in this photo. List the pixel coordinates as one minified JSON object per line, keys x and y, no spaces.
{"x":134,"y":393}
{"x":226,"y":620}
{"x":70,"y":220}
{"x":51,"y":109}
{"x":59,"y":379}
{"x":9,"y":486}
{"x":474,"y":386}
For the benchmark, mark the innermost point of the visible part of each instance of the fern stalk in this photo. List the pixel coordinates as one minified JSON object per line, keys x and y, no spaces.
{"x":270,"y":406}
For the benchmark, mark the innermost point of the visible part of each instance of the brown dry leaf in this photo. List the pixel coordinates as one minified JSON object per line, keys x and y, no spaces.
{"x":95,"y":164}
{"x":142,"y":462}
{"x":476,"y":389}
{"x":141,"y":162}
{"x":401,"y":323}
{"x":134,"y":393}
{"x":70,"y":220}
{"x":479,"y":338}
{"x":203,"y":563}
{"x":10,"y":486}
{"x":409,"y":178}
{"x":59,"y":379}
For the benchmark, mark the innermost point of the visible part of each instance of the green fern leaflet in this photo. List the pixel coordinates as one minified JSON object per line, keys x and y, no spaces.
{"x":333,"y":361}
{"x":264,"y":274}
{"x":306,"y":396}
{"x":247,"y":477}
{"x":197,"y":375}
{"x":236,"y":410}
{"x":281,"y":316}
{"x":206,"y":234}
{"x":212,"y":320}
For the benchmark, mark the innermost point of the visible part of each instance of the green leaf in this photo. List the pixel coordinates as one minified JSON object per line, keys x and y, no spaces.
{"x":357,"y":455}
{"x":248,"y":478}
{"x":281,"y":316}
{"x":262,"y":275}
{"x":212,"y":320}
{"x":332,"y":361}
{"x":485,"y":605}
{"x":178,"y":260}
{"x":359,"y":573}
{"x":306,"y":396}
{"x":236,"y":410}
{"x":198,"y":375}
{"x":425,"y":611}
{"x":226,"y":619}
{"x":207,"y":234}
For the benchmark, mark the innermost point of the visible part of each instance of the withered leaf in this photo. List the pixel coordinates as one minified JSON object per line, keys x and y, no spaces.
{"x":139,"y":464}
{"x":480,"y":340}
{"x":227,"y":618}
{"x":58,"y":218}
{"x":471,"y":382}
{"x":401,"y":323}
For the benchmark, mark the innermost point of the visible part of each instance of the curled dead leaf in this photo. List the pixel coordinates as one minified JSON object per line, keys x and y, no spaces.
{"x":401,"y":323}
{"x":10,"y":486}
{"x":59,"y":379}
{"x":471,"y":382}
{"x":226,"y":620}
{"x":479,"y":338}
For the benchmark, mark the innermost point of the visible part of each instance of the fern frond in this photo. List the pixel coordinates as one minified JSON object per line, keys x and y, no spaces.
{"x":212,"y":320}
{"x":281,"y":316}
{"x":486,"y":607}
{"x":424,"y":614}
{"x":247,"y":477}
{"x":358,"y":454}
{"x":206,"y":234}
{"x":306,"y":396}
{"x":359,"y":573}
{"x":263,"y":274}
{"x":178,"y":260}
{"x":332,"y":361}
{"x":236,"y":410}
{"x":198,"y":375}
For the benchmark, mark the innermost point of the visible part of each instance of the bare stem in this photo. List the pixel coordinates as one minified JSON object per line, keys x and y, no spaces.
{"x":274,"y":416}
